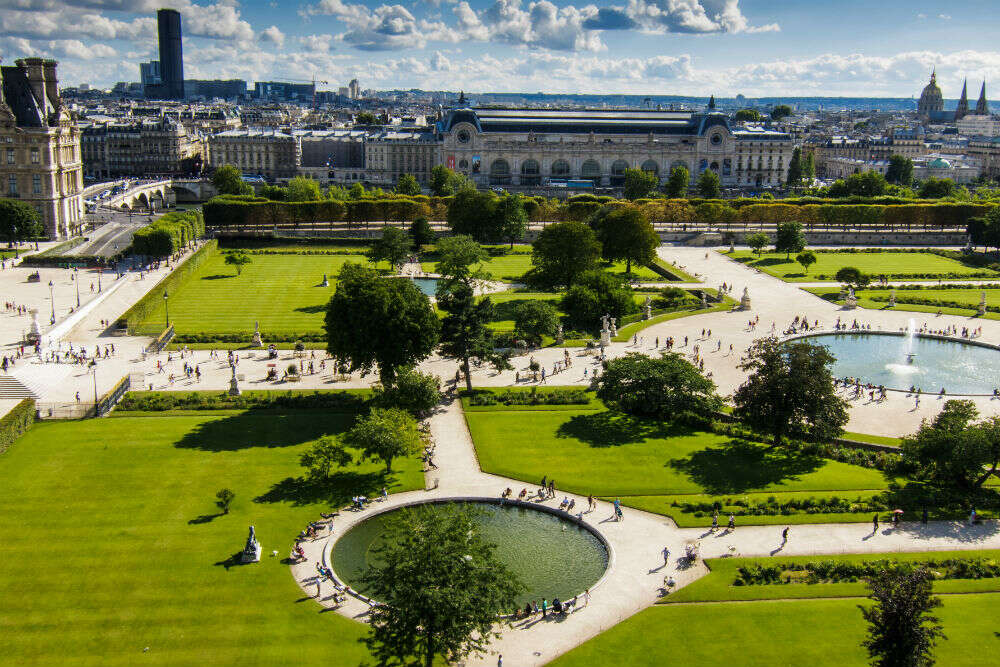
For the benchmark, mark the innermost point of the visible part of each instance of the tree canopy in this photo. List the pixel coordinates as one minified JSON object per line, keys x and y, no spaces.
{"x":795,"y":167}
{"x":936,"y":188}
{"x":747,"y":116}
{"x":441,"y":589}
{"x":902,"y":632}
{"x":373,"y":321}
{"x":510,"y":218}
{"x":445,"y":182}
{"x":669,"y":388}
{"x":535,"y":318}
{"x":781,"y":111}
{"x":708,"y":185}
{"x":677,"y":184}
{"x":789,"y":238}
{"x":19,"y":221}
{"x":301,"y":188}
{"x":789,"y":391}
{"x":393,"y":247}
{"x":866,"y":184}
{"x":464,"y":330}
{"x":639,"y":183}
{"x":900,"y":170}
{"x":421,"y":232}
{"x":461,"y":259}
{"x":326,"y":454}
{"x":472,"y":213}
{"x":385,"y":434}
{"x":626,"y":234}
{"x":563,"y":251}
{"x":228,"y":180}
{"x":407,"y":185}
{"x":757,"y":241}
{"x":806,"y":258}
{"x":238,"y":259}
{"x":595,"y":294}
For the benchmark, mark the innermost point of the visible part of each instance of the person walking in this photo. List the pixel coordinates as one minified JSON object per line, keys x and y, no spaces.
{"x":732,"y":522}
{"x":715,"y":522}
{"x":545,"y":607}
{"x":666,"y":556}
{"x":586,"y":598}
{"x":500,"y":660}
{"x":875,"y":524}
{"x":784,"y":536}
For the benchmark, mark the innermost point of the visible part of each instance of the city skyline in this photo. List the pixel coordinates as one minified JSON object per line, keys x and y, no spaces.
{"x":667,"y":47}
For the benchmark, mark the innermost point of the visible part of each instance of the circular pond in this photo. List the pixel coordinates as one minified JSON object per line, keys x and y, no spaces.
{"x":552,"y":556}
{"x":901,"y":361}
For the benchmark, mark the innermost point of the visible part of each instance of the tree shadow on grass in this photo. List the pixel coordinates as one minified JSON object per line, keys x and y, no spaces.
{"x":771,"y":261}
{"x":741,"y":466}
{"x":219,"y":276}
{"x":205,"y":518}
{"x":311,"y":309}
{"x":263,"y":428}
{"x":506,"y":310}
{"x":614,"y":429}
{"x":335,"y":491}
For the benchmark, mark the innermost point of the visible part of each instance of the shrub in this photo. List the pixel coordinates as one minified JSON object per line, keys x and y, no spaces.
{"x":16,"y":422}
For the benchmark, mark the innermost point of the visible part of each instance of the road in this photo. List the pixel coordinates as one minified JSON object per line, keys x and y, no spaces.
{"x":112,"y":236}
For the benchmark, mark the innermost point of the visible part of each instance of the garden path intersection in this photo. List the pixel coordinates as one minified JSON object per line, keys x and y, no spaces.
{"x":636,"y":573}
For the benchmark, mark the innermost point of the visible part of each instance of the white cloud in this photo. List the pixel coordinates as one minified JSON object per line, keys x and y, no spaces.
{"x":274,"y":36}
{"x":317,"y":43}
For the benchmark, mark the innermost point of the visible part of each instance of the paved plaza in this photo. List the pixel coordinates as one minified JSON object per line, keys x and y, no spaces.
{"x":635,"y":578}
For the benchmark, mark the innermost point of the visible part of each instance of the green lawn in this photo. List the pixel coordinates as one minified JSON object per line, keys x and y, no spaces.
{"x":718,"y":586}
{"x":512,"y":267}
{"x":111,"y":542}
{"x":818,"y":633}
{"x":968,"y":296}
{"x":280,"y":291}
{"x":603,"y":453}
{"x":900,"y":264}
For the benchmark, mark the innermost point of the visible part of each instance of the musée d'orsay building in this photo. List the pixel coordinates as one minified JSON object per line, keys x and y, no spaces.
{"x":524,"y":147}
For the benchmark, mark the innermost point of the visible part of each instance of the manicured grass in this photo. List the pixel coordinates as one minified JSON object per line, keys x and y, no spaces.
{"x":873,"y":439}
{"x":594,"y":404}
{"x":828,"y":263}
{"x":280,"y":291}
{"x":817,"y":633}
{"x":970,"y":296}
{"x":684,"y":519}
{"x":506,"y":304}
{"x":608,"y":454}
{"x":718,"y":585}
{"x":512,"y":267}
{"x":111,"y":542}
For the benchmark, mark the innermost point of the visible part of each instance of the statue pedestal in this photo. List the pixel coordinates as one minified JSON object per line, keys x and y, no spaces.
{"x":982,"y":309}
{"x":851,"y":302}
{"x":605,"y":337}
{"x":257,"y":342}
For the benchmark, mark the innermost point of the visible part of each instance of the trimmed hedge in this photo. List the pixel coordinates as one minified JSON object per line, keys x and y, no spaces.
{"x":153,"y":300}
{"x":162,"y":401}
{"x":533,"y":397}
{"x":16,"y":422}
{"x":168,"y":234}
{"x":835,"y":571}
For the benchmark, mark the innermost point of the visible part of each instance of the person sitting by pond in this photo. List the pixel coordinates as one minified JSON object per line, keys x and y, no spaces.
{"x":557,"y":606}
{"x":523,"y":494}
{"x":572,"y":504}
{"x":564,"y":504}
{"x":298,"y":554}
{"x":385,"y":493}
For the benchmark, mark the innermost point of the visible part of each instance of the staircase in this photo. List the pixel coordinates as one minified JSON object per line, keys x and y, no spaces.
{"x":12,"y":388}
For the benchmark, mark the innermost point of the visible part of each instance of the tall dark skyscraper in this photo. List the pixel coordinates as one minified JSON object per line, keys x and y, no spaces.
{"x":171,"y":54}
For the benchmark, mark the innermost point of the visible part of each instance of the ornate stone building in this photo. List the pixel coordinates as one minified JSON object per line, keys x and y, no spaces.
{"x":40,"y":146}
{"x":148,"y":148}
{"x":527,"y":147}
{"x":390,"y":154}
{"x":931,"y":102}
{"x":270,"y":154}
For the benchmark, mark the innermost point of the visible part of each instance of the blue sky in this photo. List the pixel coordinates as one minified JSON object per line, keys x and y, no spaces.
{"x":686,"y":47}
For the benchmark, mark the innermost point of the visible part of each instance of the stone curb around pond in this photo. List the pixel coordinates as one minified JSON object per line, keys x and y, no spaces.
{"x":858,"y":332}
{"x":331,"y":543}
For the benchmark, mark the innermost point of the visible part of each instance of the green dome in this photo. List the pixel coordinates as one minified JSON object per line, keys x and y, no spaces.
{"x":939,"y":163}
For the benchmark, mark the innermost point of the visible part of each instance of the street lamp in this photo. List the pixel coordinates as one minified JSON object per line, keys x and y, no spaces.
{"x":99,"y":280}
{"x":166,"y":308}
{"x":52,"y":297}
{"x":76,"y":278}
{"x":93,"y":370}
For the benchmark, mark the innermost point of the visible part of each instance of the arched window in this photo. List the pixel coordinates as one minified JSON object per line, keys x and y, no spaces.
{"x":679,"y":163}
{"x":500,"y":172}
{"x":530,"y":173}
{"x":560,"y":169}
{"x":618,"y":172}
{"x":591,"y":169}
{"x":714,"y":166}
{"x":463,"y":164}
{"x":651,"y":167}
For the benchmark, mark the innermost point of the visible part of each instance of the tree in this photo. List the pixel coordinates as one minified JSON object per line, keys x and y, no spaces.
{"x":708,"y":185}
{"x":325,"y":455}
{"x":788,"y":238}
{"x":301,"y":188}
{"x":372,"y":321}
{"x":902,"y":632}
{"x":446,"y":182}
{"x":392,"y":247}
{"x":806,"y":259}
{"x":747,"y":116}
{"x":900,"y":170}
{"x":228,"y":180}
{"x":809,"y":166}
{"x":223,"y":499}
{"x":563,"y":251}
{"x":789,"y":391}
{"x":669,"y":388}
{"x":639,"y":183}
{"x":781,"y":111}
{"x":465,"y":333}
{"x":365,"y":118}
{"x":850,"y":275}
{"x":936,"y":188}
{"x":757,"y":241}
{"x":795,"y":167}
{"x":238,"y":259}
{"x":19,"y":221}
{"x":534,"y":319}
{"x":473,"y":213}
{"x":626,"y":234}
{"x":867,"y":184}
{"x":677,"y":184}
{"x":510,"y":218}
{"x":415,"y":392}
{"x":407,"y":184}
{"x":595,"y":294}
{"x":954,"y":451}
{"x":385,"y":434}
{"x":461,"y":259}
{"x":441,"y":589}
{"x":274,"y":192}
{"x":421,"y":233}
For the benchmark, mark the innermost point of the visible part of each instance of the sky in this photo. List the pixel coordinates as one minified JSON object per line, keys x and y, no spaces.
{"x":663,"y":47}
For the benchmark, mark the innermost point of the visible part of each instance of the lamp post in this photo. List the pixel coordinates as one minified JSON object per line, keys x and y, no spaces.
{"x":166,"y":308}
{"x":52,"y":297}
{"x":76,"y":278}
{"x":99,"y":280}
{"x":93,"y":369}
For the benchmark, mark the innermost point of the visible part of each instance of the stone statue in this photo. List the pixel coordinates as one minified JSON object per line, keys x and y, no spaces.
{"x":982,"y":303}
{"x":704,"y":300}
{"x":257,"y":342}
{"x":745,"y":299}
{"x":647,"y":309}
{"x":892,"y":298}
{"x":605,"y":331}
{"x":851,"y":302}
{"x":35,"y":332}
{"x":614,"y":326}
{"x":234,"y":387}
{"x":326,"y":281}
{"x":251,"y":552}
{"x":604,"y":322}
{"x":560,"y":339}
